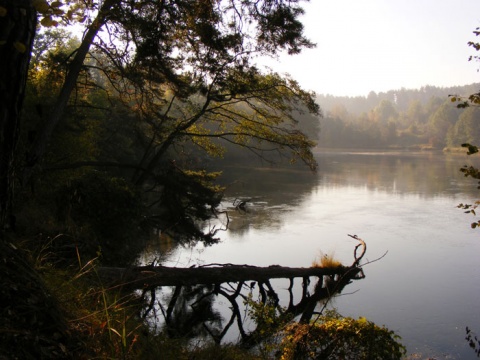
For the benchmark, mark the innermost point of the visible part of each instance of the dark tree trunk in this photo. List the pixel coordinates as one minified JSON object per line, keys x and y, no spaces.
{"x":141,"y":277}
{"x":18,"y":20}
{"x":152,"y":276}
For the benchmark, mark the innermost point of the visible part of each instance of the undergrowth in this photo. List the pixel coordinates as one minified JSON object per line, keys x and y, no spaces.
{"x":92,"y":321}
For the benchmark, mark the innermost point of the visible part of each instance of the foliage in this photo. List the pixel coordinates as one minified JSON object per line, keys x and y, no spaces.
{"x":186,"y":197}
{"x":335,"y":337}
{"x":330,"y":336}
{"x":268,"y":317}
{"x":403,"y":118}
{"x":473,"y":341}
{"x":474,"y":173}
{"x":466,"y":129}
{"x":192,"y":75}
{"x":440,"y":123}
{"x":110,"y":207}
{"x":470,"y":209}
{"x":143,"y":97}
{"x":472,"y":101}
{"x":59,"y":11}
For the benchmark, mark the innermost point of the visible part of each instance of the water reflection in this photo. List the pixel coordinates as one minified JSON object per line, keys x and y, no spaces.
{"x":189,"y":312}
{"x":273,"y":193}
{"x":426,"y":174}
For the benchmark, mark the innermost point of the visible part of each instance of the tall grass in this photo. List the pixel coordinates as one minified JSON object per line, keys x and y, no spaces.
{"x":326,"y":261}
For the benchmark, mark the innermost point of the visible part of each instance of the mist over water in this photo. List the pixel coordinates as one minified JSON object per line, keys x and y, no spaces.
{"x":404,"y":205}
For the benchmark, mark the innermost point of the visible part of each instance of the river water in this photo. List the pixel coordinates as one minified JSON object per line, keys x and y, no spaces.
{"x":426,"y":282}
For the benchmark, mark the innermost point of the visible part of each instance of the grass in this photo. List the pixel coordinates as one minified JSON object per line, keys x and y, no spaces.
{"x":104,"y":320}
{"x":326,"y":261}
{"x":104,"y":323}
{"x":94,"y":321}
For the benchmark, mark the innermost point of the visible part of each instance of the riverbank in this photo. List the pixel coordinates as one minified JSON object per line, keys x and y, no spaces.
{"x":65,"y":312}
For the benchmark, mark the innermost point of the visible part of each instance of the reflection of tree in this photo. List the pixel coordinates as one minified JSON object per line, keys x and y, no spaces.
{"x":272,"y":192}
{"x":189,"y":311}
{"x":426,"y":174}
{"x":278,"y":185}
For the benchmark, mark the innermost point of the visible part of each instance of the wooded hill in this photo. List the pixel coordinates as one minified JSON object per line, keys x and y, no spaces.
{"x":405,"y":118}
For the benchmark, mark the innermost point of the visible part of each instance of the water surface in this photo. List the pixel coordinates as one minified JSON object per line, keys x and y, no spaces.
{"x":426,"y":286}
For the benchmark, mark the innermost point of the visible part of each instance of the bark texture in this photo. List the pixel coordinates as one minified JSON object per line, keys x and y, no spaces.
{"x":17,"y":30}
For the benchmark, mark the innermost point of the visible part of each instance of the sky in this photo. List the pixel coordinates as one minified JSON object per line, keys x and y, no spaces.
{"x":382,"y":45}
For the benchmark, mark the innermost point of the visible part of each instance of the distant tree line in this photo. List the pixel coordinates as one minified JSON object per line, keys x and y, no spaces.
{"x":414,"y":119}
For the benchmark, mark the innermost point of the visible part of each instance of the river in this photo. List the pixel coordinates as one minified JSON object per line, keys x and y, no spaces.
{"x":425,"y":285}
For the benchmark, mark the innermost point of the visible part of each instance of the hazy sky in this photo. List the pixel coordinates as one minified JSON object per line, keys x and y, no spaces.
{"x":381,"y":45}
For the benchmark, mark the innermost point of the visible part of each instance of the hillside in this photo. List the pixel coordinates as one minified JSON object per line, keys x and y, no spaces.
{"x":405,"y":118}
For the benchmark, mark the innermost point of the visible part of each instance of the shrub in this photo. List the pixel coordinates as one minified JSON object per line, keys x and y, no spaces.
{"x":337,"y":337}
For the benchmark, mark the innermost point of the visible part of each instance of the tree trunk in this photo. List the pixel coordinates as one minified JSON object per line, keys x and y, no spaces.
{"x":18,"y":20}
{"x":141,"y":277}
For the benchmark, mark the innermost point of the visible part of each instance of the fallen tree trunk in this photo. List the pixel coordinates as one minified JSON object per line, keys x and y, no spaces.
{"x":142,"y":277}
{"x":195,"y":288}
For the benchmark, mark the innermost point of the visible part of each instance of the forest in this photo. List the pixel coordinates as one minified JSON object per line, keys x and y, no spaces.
{"x":414,"y":119}
{"x":119,"y":130}
{"x":408,"y":119}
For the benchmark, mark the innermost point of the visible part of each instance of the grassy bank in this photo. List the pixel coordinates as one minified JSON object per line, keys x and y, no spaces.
{"x":65,"y":312}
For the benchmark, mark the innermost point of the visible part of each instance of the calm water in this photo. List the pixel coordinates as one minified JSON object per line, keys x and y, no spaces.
{"x":426,"y":288}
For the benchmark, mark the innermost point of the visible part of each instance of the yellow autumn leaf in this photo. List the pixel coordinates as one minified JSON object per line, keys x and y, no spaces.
{"x":48,"y":22}
{"x":453,"y":99}
{"x":19,"y":46}
{"x":3,"y":11}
